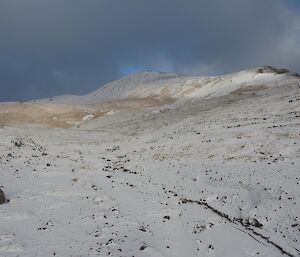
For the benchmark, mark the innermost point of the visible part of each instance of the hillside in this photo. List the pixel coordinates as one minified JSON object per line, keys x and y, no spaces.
{"x":157,"y":84}
{"x":155,"y":165}
{"x":139,"y":91}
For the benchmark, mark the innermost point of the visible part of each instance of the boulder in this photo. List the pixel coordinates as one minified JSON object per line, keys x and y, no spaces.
{"x":2,"y":197}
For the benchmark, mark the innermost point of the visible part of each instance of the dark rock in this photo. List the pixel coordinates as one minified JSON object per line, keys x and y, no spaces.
{"x":2,"y":197}
{"x":270,"y":69}
{"x":256,"y":223}
{"x":143,"y":247}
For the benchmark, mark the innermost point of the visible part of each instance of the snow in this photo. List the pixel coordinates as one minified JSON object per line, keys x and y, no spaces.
{"x":88,"y":117}
{"x":215,"y":173}
{"x":149,"y":84}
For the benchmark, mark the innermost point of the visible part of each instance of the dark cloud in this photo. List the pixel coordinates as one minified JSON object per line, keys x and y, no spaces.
{"x":51,"y":47}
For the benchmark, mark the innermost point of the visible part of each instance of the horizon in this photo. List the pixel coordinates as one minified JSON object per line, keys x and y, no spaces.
{"x":94,"y":43}
{"x":153,"y":71}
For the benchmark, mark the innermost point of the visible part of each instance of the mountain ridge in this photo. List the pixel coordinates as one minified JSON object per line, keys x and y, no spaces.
{"x":143,"y":90}
{"x":134,"y":84}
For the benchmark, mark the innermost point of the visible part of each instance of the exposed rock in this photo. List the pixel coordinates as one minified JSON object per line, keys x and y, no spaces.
{"x":2,"y":197}
{"x":270,"y":69}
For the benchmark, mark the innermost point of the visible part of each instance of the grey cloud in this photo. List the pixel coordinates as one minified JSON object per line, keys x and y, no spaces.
{"x":51,"y":47}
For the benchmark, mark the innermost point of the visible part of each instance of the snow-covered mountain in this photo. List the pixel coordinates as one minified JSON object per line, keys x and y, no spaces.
{"x":155,"y":165}
{"x":157,"y":84}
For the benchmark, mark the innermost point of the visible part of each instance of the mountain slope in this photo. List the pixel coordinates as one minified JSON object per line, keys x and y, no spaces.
{"x":208,"y":169}
{"x":149,"y":84}
{"x":139,"y":91}
{"x":213,"y":171}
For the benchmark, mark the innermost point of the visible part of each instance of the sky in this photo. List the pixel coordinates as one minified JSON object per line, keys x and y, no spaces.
{"x":54,"y":47}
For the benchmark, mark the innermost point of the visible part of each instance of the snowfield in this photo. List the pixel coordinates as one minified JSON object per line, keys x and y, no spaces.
{"x":155,"y":165}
